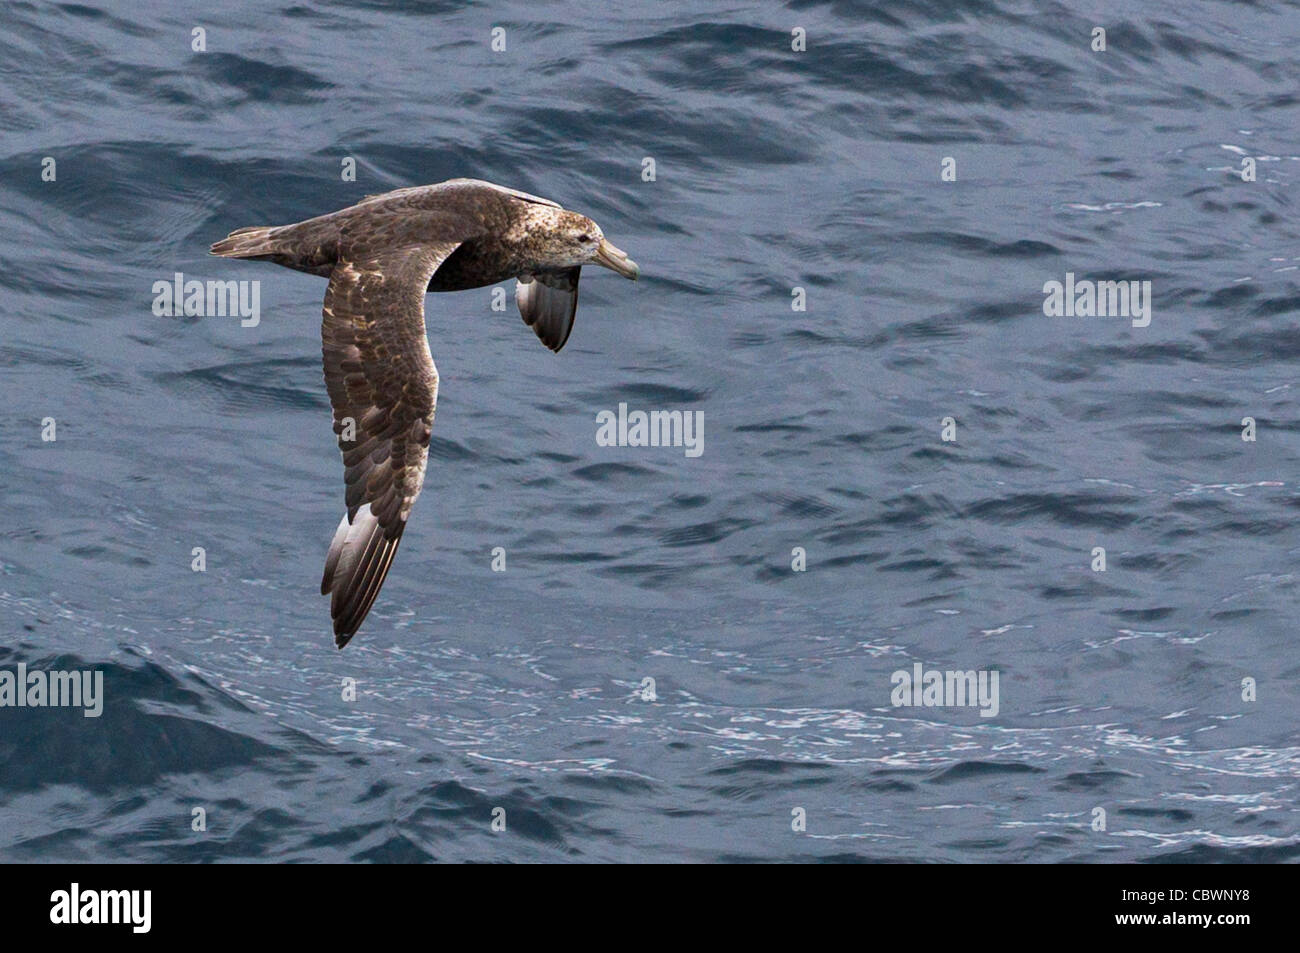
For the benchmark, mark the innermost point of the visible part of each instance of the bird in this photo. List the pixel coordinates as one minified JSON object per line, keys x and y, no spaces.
{"x":381,"y":256}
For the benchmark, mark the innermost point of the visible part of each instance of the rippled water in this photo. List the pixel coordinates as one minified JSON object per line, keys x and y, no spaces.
{"x":775,"y":169}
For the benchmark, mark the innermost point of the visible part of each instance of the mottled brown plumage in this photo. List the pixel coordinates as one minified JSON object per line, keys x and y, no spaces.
{"x":381,"y":256}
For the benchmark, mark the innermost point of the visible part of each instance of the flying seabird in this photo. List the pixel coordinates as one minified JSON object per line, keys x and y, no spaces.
{"x":381,"y":256}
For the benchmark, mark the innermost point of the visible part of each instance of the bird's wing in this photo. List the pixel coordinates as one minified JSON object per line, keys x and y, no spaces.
{"x":383,"y":386}
{"x":454,"y":185}
{"x":548,"y":302}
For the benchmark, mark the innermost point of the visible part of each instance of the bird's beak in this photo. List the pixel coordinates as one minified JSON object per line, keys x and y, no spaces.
{"x":616,"y":260}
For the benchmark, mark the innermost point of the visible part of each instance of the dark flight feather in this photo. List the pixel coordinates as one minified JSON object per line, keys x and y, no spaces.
{"x":548,"y":303}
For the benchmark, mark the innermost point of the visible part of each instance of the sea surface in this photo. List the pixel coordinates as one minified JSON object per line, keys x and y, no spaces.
{"x":652,"y":678}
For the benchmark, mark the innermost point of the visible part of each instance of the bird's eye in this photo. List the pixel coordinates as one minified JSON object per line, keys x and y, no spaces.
{"x":584,"y":238}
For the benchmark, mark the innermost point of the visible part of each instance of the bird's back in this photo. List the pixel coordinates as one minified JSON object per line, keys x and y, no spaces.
{"x":477,"y":213}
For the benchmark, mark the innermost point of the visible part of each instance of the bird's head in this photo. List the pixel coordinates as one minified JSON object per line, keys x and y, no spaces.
{"x":574,"y":239}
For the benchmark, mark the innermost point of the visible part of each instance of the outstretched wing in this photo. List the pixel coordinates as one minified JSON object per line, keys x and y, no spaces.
{"x":548,"y":302}
{"x":383,"y":386}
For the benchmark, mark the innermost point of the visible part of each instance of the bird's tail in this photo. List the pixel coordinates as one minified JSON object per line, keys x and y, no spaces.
{"x":255,"y":242}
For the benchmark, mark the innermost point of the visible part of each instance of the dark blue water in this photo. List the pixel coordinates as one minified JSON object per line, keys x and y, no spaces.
{"x":775,"y":169}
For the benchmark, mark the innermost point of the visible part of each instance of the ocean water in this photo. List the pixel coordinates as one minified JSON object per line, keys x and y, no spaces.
{"x":774,"y":170}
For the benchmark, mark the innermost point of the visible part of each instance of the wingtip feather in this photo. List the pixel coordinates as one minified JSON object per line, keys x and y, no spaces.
{"x":355,"y":569}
